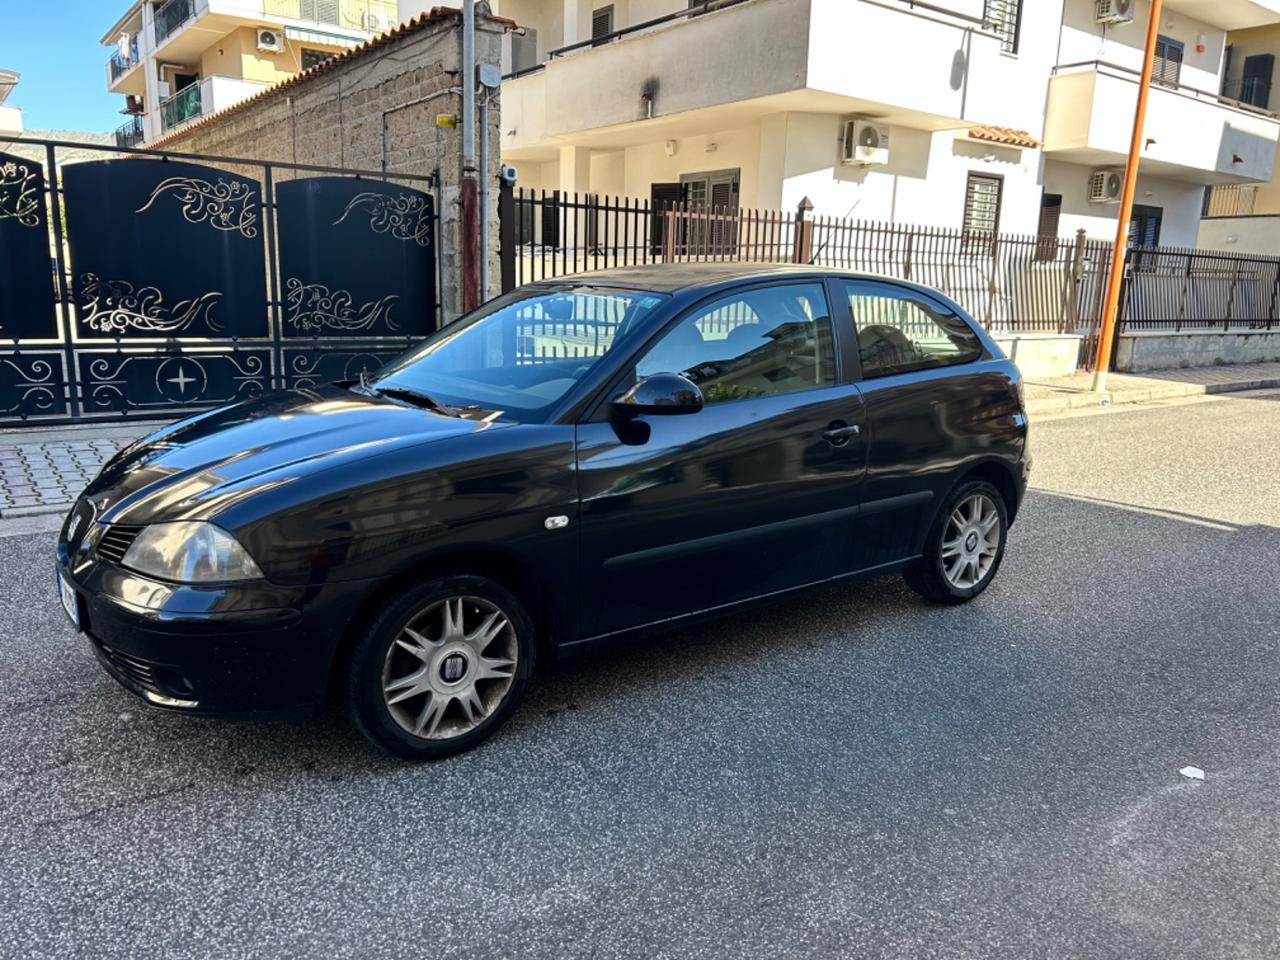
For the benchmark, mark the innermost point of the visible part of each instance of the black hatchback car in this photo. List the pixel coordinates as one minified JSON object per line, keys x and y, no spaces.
{"x":575,"y":460}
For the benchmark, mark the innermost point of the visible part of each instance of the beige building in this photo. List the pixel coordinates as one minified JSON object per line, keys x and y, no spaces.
{"x":180,"y":60}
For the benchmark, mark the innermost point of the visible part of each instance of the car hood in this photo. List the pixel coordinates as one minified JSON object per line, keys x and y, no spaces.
{"x":201,"y":466}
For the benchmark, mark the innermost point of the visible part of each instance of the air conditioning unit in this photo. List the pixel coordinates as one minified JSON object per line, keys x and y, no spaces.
{"x":377,"y":22}
{"x":1105,"y":186}
{"x":271,"y":41}
{"x":1113,"y":11}
{"x":864,"y":144}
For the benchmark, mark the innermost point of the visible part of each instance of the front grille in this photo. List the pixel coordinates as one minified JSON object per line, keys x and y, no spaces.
{"x":116,"y":541}
{"x":133,"y":669}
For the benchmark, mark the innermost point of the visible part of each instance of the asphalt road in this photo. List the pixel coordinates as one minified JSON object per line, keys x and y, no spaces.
{"x":855,"y":774}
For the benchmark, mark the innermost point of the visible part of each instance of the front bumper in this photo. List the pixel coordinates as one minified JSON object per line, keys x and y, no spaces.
{"x":243,"y":650}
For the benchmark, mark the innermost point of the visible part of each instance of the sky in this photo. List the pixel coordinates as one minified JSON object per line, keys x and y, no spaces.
{"x":54,"y":45}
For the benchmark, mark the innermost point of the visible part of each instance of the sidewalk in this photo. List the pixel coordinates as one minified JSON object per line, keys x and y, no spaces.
{"x":1057,"y":395}
{"x":43,"y":469}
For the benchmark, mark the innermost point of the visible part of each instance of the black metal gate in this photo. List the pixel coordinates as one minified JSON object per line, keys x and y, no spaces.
{"x":138,"y":283}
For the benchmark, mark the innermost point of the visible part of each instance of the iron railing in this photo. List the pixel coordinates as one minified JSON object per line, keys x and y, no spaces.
{"x":1230,"y":200}
{"x":1176,"y":289}
{"x":182,"y":106}
{"x":120,"y":65}
{"x":1008,"y":282}
{"x":171,"y":15}
{"x":130,"y":134}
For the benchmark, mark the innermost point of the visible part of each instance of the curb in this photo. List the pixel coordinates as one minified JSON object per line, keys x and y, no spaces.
{"x":1093,"y":401}
{"x":41,"y":510}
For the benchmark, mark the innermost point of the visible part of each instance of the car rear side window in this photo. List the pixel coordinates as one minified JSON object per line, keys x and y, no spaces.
{"x":900,"y":331}
{"x":756,"y":343}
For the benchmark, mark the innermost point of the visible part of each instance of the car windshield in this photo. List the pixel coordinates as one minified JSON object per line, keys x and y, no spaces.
{"x":520,"y":354}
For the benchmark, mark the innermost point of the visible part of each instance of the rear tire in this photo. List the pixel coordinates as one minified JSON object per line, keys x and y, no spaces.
{"x":441,"y":667}
{"x":964,"y":546}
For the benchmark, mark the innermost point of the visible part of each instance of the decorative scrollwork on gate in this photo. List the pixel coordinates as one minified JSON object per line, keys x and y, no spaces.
{"x":312,"y":307}
{"x":19,"y":194}
{"x":403,"y":215}
{"x":114,"y":306}
{"x":33,"y":385}
{"x":228,"y":205}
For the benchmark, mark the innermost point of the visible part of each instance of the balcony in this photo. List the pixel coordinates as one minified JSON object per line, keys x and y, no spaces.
{"x":748,"y":58}
{"x":170,"y":16}
{"x":118,"y":66}
{"x":122,"y":75}
{"x":204,"y":98}
{"x":131,"y":134}
{"x":1228,"y":14}
{"x":1191,"y":135}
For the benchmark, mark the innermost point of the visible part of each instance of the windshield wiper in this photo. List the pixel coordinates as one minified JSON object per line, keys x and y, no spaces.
{"x":416,"y":397}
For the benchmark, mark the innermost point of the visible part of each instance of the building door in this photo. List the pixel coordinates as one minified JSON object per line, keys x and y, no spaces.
{"x":713,"y":194}
{"x":1255,"y":88}
{"x":664,"y":198}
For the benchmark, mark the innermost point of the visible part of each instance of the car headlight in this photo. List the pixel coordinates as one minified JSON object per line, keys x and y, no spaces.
{"x":190,"y":551}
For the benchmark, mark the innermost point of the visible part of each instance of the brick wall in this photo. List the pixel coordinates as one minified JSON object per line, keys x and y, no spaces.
{"x":374,"y":109}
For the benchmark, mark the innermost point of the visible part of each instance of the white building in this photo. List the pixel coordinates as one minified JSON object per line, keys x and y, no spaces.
{"x":999,"y":113}
{"x":10,"y":116}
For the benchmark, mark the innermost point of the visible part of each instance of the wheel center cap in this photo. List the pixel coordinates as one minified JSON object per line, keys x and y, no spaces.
{"x":453,"y":668}
{"x":971,"y":541}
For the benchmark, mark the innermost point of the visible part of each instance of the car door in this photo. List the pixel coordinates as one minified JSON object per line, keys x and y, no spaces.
{"x":929,"y":402}
{"x":748,"y":496}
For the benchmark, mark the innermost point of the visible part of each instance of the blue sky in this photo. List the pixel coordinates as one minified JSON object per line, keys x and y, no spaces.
{"x":54,"y":45}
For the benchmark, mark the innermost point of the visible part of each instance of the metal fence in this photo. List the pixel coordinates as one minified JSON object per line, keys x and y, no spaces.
{"x":1008,"y":282}
{"x":1176,"y":289}
{"x":144,"y":283}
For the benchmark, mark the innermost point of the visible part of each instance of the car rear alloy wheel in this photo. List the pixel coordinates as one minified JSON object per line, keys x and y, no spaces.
{"x":971,"y":541}
{"x":964,"y":545}
{"x":450,"y":667}
{"x":441,"y":667}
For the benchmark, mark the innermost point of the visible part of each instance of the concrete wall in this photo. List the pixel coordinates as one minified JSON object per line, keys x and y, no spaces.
{"x":1256,"y":234}
{"x":1180,"y":201}
{"x":1139,"y":352}
{"x":372,"y":111}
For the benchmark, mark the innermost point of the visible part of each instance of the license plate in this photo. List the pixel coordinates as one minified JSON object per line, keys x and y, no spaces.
{"x":69,"y":601}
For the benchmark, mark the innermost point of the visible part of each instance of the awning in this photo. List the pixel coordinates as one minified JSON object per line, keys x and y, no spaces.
{"x":319,"y":36}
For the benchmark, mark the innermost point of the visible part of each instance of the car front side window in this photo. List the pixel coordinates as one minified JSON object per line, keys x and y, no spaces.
{"x":757,"y":343}
{"x":900,"y":332}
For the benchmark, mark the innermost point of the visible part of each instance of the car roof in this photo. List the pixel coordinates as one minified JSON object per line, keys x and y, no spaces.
{"x":671,"y":277}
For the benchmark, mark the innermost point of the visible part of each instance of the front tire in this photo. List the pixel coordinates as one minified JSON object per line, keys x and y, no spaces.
{"x":441,"y":667}
{"x":964,"y":547}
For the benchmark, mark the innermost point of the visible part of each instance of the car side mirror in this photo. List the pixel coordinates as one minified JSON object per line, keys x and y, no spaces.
{"x":663,"y":394}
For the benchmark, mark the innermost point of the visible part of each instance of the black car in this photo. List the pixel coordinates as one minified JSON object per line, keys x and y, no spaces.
{"x":575,"y":460}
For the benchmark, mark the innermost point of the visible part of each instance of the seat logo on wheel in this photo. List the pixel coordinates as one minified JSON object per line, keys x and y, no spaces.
{"x":453,"y":667}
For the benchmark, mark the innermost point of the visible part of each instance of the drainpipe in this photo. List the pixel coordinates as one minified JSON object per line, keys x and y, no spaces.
{"x":467,"y":182}
{"x":484,"y":197}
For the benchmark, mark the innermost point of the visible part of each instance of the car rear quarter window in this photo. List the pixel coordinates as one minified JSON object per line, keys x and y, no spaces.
{"x":900,"y":331}
{"x":755,"y":343}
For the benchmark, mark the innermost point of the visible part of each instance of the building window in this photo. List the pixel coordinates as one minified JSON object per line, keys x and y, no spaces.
{"x":1168,"y":65}
{"x":1006,"y":18}
{"x":1255,"y":85}
{"x":713,"y":195}
{"x":312,"y":57}
{"x":1144,"y":227}
{"x":601,"y":24}
{"x":981,"y":211}
{"x":1047,"y":234}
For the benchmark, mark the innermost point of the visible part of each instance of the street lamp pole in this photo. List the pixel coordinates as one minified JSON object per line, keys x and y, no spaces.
{"x":1115,"y":279}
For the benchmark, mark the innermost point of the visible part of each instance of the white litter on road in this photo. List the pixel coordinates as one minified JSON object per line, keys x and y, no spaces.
{"x":1192,"y":773}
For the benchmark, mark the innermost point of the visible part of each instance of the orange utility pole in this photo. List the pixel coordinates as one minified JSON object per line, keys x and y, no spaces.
{"x":1115,"y":280}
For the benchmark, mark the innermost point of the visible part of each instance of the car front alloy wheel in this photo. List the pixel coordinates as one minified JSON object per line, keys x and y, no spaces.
{"x":441,"y":668}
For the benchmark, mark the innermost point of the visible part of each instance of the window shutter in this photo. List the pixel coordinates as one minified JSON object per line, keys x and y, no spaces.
{"x":601,"y":23}
{"x":1050,"y":217}
{"x":982,"y":203}
{"x":1168,"y":63}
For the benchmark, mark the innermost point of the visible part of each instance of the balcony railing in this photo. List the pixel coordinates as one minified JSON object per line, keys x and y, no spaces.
{"x":1230,"y":200}
{"x":1182,"y":89}
{"x":172,"y":15}
{"x":120,"y":65}
{"x":367,"y":15}
{"x":130,"y":134}
{"x":1254,"y":91}
{"x":182,"y":106}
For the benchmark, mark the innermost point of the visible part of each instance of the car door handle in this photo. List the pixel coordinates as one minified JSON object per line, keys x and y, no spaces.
{"x":838,"y":433}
